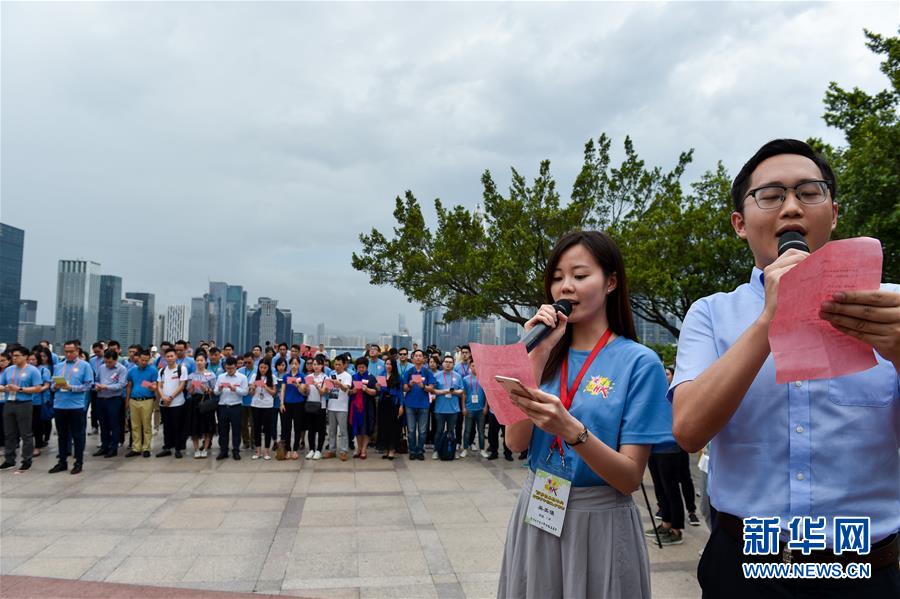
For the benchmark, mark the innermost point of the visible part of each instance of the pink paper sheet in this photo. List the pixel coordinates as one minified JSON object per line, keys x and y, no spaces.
{"x":146,"y":384}
{"x":309,"y":380}
{"x":505,"y":360}
{"x":805,"y":346}
{"x":381,"y":380}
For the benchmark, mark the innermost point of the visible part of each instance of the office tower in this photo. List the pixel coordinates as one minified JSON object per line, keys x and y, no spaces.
{"x":108,"y":310}
{"x":176,"y":323}
{"x":12,"y":243}
{"x":27,"y":311}
{"x":148,"y":316}
{"x":77,"y":300}
{"x":131,"y":320}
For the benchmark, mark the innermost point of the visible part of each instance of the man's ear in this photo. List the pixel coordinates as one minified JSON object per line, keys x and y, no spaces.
{"x":737,"y":222}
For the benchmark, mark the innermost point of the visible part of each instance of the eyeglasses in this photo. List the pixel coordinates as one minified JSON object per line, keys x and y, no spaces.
{"x":770,"y":197}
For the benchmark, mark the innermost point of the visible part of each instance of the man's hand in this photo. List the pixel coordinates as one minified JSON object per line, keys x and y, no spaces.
{"x":772,"y":276}
{"x":873,"y":317}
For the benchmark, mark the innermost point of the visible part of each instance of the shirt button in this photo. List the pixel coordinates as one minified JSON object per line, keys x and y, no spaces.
{"x":799,"y":429}
{"x":798,"y":383}
{"x":800,"y":476}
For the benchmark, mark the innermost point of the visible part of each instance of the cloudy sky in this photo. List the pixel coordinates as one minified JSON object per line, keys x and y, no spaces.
{"x":251,"y":143}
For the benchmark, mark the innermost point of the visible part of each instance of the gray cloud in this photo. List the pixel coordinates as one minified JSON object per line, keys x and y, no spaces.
{"x":177,"y":143}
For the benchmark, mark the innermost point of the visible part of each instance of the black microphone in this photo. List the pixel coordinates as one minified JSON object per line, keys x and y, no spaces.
{"x":540,"y":330}
{"x":791,"y":240}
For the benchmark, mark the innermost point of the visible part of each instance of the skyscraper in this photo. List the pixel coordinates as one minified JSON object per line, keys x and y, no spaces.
{"x":148,"y":315}
{"x":176,"y":323}
{"x":320,"y":333}
{"x":27,"y":311}
{"x":12,"y":243}
{"x":131,"y":318}
{"x":204,"y":322}
{"x":108,"y":310}
{"x":230,"y":303}
{"x":77,"y":300}
{"x":267,"y":322}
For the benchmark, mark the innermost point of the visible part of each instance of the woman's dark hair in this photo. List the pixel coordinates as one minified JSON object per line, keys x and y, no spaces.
{"x":268,"y":376}
{"x":776,"y":147}
{"x":393,"y":380}
{"x":618,"y":305}
{"x":297,"y":360}
{"x":361,"y":361}
{"x":44,"y":355}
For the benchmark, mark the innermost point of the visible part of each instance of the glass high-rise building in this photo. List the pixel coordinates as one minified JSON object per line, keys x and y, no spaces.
{"x":12,"y":243}
{"x":148,"y":315}
{"x":110,"y":305}
{"x":77,"y":300}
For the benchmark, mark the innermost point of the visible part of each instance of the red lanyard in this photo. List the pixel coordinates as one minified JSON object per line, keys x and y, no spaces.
{"x":566,"y":395}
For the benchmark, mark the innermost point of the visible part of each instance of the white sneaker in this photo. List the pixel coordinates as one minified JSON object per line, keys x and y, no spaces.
{"x":255,"y":456}
{"x":434,"y":455}
{"x":198,"y":454}
{"x":204,"y":453}
{"x":463,"y":453}
{"x":317,"y":455}
{"x":472,"y":447}
{"x":267,"y":457}
{"x":310,"y":455}
{"x":484,"y":453}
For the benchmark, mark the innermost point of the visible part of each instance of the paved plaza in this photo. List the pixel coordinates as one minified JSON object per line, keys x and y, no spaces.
{"x":355,"y":529}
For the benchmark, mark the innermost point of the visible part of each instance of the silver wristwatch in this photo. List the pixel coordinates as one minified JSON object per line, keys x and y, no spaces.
{"x":581,"y":438}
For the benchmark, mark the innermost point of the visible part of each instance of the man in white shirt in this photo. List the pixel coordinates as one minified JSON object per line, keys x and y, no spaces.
{"x":231,"y":387}
{"x":337,"y":410}
{"x":172,"y":380}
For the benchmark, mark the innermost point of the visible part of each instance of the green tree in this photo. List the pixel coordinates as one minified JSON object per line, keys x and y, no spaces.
{"x":678,"y":246}
{"x":868,"y":167}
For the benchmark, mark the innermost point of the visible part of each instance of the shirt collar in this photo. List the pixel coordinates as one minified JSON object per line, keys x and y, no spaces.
{"x":756,"y":282}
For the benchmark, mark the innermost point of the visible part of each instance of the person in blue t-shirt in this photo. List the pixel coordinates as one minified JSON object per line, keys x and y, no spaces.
{"x":474,"y":411}
{"x":21,"y":382}
{"x":448,"y":403}
{"x":292,"y":409}
{"x":72,"y":380}
{"x":600,"y":408}
{"x":140,"y":393}
{"x":42,"y":414}
{"x":418,"y":382}
{"x":181,"y":357}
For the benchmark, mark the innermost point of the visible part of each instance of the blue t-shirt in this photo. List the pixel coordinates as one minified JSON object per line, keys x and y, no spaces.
{"x":417,"y":397}
{"x":80,"y":377}
{"x":621,"y":400}
{"x":475,"y":398}
{"x":447,"y":404}
{"x":27,"y":376}
{"x":462,"y":369}
{"x":291,"y":392}
{"x":47,"y":377}
{"x":189,"y":363}
{"x":247,"y":400}
{"x":138,"y":375}
{"x":376,"y":368}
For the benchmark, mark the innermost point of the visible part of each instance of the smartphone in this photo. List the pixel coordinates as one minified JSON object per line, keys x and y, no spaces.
{"x":509,"y":384}
{"x":333,"y":377}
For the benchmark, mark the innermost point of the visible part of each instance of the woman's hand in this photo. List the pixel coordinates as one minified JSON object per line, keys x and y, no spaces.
{"x":281,"y":408}
{"x":548,"y":315}
{"x":547,"y":412}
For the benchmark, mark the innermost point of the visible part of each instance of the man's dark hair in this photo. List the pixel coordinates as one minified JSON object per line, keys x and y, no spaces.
{"x":462,"y":347}
{"x":227,"y":345}
{"x":776,"y":147}
{"x":282,"y":344}
{"x":74,"y":342}
{"x":170,"y":350}
{"x":247,"y":355}
{"x":214,"y":350}
{"x":15,"y":347}
{"x":97,"y":344}
{"x":111,"y":354}
{"x":296,"y":346}
{"x":113,"y":342}
{"x":144,"y":351}
{"x":362,"y":362}
{"x":232,"y":361}
{"x":165,"y":344}
{"x":259,"y":346}
{"x":136,"y":347}
{"x":181,"y":342}
{"x":342,"y":359}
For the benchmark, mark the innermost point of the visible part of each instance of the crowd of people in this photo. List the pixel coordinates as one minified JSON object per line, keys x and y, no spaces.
{"x":287,"y":402}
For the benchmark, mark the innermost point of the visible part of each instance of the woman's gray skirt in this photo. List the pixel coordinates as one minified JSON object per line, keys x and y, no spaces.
{"x":601,"y":553}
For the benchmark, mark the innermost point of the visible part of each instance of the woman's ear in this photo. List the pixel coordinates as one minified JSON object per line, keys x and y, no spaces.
{"x":612,"y":283}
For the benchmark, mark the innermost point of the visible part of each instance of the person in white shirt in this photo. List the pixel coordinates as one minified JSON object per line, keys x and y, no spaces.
{"x":337,"y":410}
{"x":262,"y":386}
{"x":231,"y":387}
{"x":315,"y":392}
{"x":172,"y":380}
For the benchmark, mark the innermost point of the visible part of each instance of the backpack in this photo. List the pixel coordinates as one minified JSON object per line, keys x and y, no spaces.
{"x":447,"y":450}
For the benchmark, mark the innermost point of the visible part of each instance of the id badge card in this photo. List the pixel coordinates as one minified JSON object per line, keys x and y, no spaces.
{"x":474,"y":399}
{"x":10,"y":396}
{"x":549,"y":496}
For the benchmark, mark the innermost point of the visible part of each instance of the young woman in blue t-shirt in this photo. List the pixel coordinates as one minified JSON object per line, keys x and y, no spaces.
{"x":616,"y":389}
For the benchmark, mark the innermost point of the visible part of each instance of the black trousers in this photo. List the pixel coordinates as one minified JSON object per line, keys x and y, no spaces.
{"x":687,"y":483}
{"x":720,"y":575}
{"x":669,"y":471}
{"x":70,"y":424}
{"x":229,"y":418}
{"x":388,"y":424}
{"x":292,"y":421}
{"x":315,"y":430}
{"x":263,"y":427}
{"x":95,"y":415}
{"x":173,"y":427}
{"x":494,"y":428}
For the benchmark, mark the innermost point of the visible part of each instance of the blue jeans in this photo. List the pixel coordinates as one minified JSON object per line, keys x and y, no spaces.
{"x":416,"y":423}
{"x":446,"y":424}
{"x":475,"y":417}
{"x":70,"y":424}
{"x":109,"y":412}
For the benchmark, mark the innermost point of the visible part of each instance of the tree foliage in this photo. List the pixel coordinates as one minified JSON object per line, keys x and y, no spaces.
{"x":678,"y":247}
{"x":868,"y":167}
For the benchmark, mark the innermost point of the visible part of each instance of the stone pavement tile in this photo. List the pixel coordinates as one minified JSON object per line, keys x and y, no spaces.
{"x":54,"y":521}
{"x":8,"y":564}
{"x":301,"y":486}
{"x":392,"y":563}
{"x":271,"y":482}
{"x":206,"y":504}
{"x":467,"y":484}
{"x":386,"y":501}
{"x":226,"y":586}
{"x":203,"y":543}
{"x":134,"y":505}
{"x":379,"y":481}
{"x":226,"y":483}
{"x":261,"y":504}
{"x":475,"y":560}
{"x":24,"y":546}
{"x":111,"y":520}
{"x":674,"y":585}
{"x":435,"y":555}
{"x":450,"y":591}
{"x":468,"y":538}
{"x":333,"y":482}
{"x":329,"y":504}
{"x":55,"y":567}
{"x":82,"y":544}
{"x":326,"y":593}
{"x":432,"y":484}
{"x":325,"y":540}
{"x":420,"y":591}
{"x":183,"y":520}
{"x":480,"y":590}
{"x":235,"y":520}
{"x":398,"y":517}
{"x":498,"y":516}
{"x":220,"y":568}
{"x":308,"y":566}
{"x":462,"y":514}
{"x":80,"y":504}
{"x":142,"y":569}
{"x":333,"y":518}
{"x":388,"y":538}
